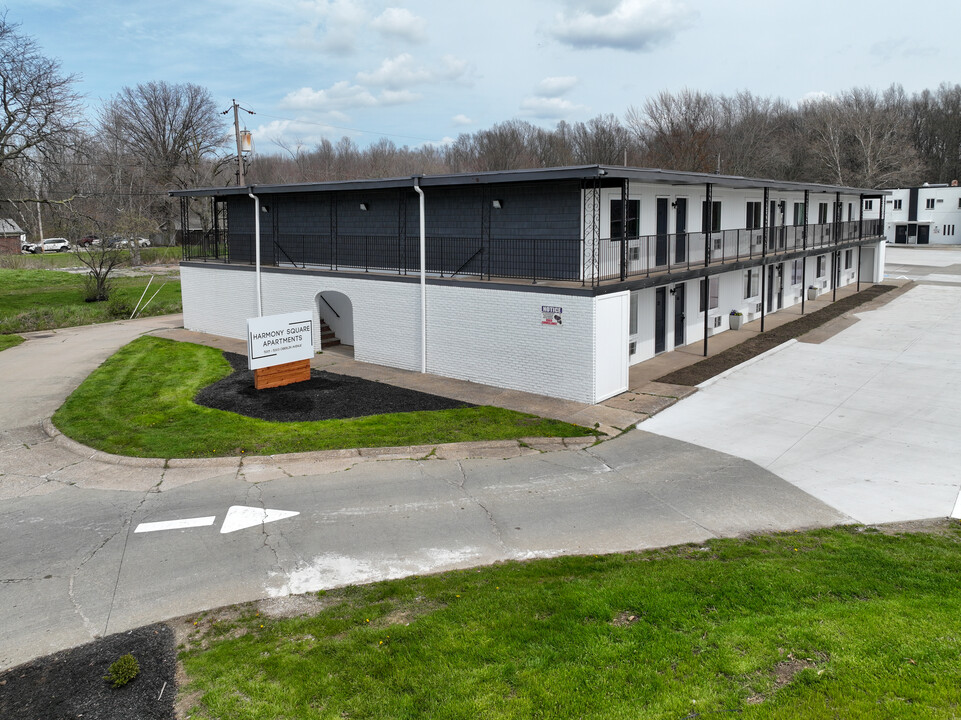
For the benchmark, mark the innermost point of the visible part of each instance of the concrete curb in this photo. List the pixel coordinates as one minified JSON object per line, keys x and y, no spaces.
{"x":441,"y":451}
{"x":746,"y":363}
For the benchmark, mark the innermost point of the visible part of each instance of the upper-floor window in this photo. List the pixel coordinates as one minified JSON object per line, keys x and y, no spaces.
{"x":799,"y":218}
{"x":929,"y":204}
{"x":822,"y":213}
{"x":897,"y":204}
{"x":869,"y":204}
{"x":617,"y":216}
{"x":715,"y":216}
{"x":753,"y":219}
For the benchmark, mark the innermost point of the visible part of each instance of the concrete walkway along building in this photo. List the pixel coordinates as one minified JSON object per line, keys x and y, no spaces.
{"x":551,"y":281}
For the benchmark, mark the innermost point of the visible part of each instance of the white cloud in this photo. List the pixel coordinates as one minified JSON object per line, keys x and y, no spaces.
{"x":627,"y":25}
{"x":344,"y":96}
{"x":461,"y":120}
{"x":400,"y":23}
{"x":335,"y":25}
{"x":556,"y":86}
{"x":402,"y":72}
{"x":552,"y":108}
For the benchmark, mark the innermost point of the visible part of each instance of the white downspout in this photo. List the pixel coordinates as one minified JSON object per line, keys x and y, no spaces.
{"x":423,"y":280}
{"x":260,"y":302}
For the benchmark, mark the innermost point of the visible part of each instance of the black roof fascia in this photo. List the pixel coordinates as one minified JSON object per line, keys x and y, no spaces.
{"x":581,"y":172}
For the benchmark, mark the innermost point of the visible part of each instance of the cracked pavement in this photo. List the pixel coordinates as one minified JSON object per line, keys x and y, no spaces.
{"x":72,"y":567}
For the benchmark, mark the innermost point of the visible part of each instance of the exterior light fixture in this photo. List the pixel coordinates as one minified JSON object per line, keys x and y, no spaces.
{"x":363,"y":206}
{"x":498,"y":204}
{"x":265,"y":208}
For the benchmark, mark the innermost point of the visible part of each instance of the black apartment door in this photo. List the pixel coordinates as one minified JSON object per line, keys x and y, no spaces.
{"x":923,"y":231}
{"x":660,"y":320}
{"x":680,"y":227}
{"x":900,"y":234}
{"x":660,"y":252}
{"x":679,"y":315}
{"x":775,"y":287}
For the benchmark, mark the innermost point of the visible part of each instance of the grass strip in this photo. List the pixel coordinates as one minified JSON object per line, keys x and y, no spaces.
{"x":9,"y":341}
{"x":845,"y":622}
{"x":140,"y":403}
{"x":762,"y":342}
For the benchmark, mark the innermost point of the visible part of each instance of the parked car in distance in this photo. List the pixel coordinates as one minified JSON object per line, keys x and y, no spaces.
{"x":54,"y":245}
{"x":89,"y":240}
{"x":29,"y":247}
{"x":126,"y":242}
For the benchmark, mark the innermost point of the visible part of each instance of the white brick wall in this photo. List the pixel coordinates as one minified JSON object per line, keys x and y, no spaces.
{"x":485,"y":335}
{"x":496,"y":337}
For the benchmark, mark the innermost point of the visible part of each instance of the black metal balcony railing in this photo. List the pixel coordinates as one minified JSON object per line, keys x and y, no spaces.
{"x":588,"y":262}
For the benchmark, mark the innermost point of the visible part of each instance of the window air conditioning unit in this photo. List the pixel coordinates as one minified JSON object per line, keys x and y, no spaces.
{"x":717,"y":321}
{"x":717,"y":243}
{"x":633,"y":348}
{"x":757,"y":308}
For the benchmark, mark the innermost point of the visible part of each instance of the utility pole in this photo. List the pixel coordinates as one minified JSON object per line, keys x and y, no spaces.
{"x":241,"y":172}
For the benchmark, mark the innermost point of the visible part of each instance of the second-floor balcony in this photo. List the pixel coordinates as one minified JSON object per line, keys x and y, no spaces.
{"x":591,"y":261}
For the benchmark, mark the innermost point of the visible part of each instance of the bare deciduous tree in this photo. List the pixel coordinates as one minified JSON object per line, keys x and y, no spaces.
{"x":37,"y":101}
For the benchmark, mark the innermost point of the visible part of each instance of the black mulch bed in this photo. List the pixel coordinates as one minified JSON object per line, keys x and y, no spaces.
{"x":70,"y":684}
{"x":326,"y":396}
{"x":716,"y":364}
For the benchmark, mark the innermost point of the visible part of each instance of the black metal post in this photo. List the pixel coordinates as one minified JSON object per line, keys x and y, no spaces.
{"x":834,"y":255}
{"x":708,"y":220}
{"x":764,"y":211}
{"x":625,"y":196}
{"x":861,"y":237}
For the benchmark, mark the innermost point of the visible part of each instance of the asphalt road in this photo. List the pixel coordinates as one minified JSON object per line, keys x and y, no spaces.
{"x":73,"y":566}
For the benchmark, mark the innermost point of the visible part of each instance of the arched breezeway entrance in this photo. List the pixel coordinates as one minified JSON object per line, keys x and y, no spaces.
{"x":336,"y":314}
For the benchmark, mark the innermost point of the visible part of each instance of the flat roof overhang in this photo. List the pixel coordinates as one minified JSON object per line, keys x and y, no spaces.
{"x":604,"y":174}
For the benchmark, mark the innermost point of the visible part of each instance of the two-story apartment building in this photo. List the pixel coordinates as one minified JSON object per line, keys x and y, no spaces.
{"x":551,"y":281}
{"x":926,"y":215}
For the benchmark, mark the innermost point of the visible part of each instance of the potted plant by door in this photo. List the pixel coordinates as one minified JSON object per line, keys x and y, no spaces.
{"x":737,"y":319}
{"x":812,"y":292}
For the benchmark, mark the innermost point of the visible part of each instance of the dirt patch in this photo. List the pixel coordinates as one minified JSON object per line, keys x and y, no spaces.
{"x":784,"y":672}
{"x":625,"y":619}
{"x":326,"y":396}
{"x":716,"y":364}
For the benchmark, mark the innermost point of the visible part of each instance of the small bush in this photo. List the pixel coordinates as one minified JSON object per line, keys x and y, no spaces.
{"x":123,"y":670}
{"x":119,"y":307}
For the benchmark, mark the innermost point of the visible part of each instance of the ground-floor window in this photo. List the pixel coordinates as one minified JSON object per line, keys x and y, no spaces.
{"x":820,"y":266}
{"x":848,"y":259}
{"x":797,"y":268}
{"x":948,"y":230}
{"x":712,"y":292}
{"x":751,"y":286}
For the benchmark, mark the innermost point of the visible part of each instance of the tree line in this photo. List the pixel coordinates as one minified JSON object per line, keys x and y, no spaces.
{"x":62,"y":174}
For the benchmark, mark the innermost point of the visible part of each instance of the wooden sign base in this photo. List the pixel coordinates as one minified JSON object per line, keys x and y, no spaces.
{"x":283,"y":374}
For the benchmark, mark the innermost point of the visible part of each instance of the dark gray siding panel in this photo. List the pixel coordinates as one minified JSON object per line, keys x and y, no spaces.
{"x":536,"y":232}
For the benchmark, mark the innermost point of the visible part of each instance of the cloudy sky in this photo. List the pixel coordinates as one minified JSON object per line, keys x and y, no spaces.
{"x":419,"y":71}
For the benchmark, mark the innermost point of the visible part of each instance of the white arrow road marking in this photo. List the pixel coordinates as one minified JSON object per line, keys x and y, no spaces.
{"x":238,"y":517}
{"x":175,"y":524}
{"x":241,"y":516}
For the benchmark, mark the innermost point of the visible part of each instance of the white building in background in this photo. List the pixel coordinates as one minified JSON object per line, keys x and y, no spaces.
{"x":551,"y":281}
{"x":926,"y":215}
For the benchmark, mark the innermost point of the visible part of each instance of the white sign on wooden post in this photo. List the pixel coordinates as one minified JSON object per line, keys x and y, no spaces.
{"x":277,"y":339}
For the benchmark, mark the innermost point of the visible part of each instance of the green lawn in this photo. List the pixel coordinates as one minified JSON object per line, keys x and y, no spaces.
{"x":9,"y":341}
{"x":842,"y":623}
{"x":140,"y":403}
{"x":44,"y":299}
